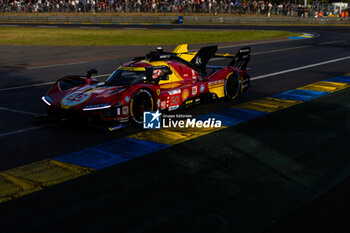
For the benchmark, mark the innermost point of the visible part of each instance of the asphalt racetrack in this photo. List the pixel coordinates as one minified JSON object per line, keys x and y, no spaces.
{"x":213,"y":183}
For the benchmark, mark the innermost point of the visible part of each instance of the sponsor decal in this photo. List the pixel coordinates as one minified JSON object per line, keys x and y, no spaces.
{"x":164,"y":56}
{"x":202,"y":88}
{"x":127,"y":99}
{"x":198,"y":61}
{"x":118,"y":111}
{"x":125,"y":110}
{"x":185,"y":94}
{"x":162,"y":105}
{"x":174,"y":92}
{"x":197,"y":100}
{"x":217,"y":82}
{"x":194,"y":74}
{"x":158,"y":103}
{"x":158,"y":91}
{"x":185,"y":75}
{"x":189,"y":102}
{"x":174,"y":107}
{"x":194,"y":90}
{"x":75,"y":99}
{"x":151,"y":120}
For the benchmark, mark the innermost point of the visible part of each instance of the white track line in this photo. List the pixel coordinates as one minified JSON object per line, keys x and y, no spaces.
{"x":21,"y":130}
{"x":281,"y":50}
{"x":43,"y":84}
{"x":239,"y":45}
{"x":299,"y":68}
{"x":333,"y":42}
{"x":271,"y":51}
{"x":44,"y":26}
{"x":286,"y":49}
{"x":65,"y":64}
{"x":26,"y":86}
{"x":18,"y":111}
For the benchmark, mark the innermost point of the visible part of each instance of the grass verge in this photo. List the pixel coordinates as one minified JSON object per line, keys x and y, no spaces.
{"x":97,"y":37}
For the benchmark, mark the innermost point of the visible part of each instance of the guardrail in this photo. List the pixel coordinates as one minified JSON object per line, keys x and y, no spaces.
{"x":171,"y":19}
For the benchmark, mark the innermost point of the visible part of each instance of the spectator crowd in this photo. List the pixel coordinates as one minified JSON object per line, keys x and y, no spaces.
{"x":164,"y":6}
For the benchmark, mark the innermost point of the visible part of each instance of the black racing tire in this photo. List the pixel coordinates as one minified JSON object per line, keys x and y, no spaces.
{"x":141,"y":101}
{"x":233,"y":86}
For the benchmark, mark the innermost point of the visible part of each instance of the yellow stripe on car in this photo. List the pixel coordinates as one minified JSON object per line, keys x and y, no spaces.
{"x":217,"y":87}
{"x":132,"y":68}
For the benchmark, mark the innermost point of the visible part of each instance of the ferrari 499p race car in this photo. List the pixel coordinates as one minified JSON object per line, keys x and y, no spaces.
{"x":162,"y":81}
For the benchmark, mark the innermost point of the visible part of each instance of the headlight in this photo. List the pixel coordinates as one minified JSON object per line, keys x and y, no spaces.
{"x":47,"y":99}
{"x":96,"y":107}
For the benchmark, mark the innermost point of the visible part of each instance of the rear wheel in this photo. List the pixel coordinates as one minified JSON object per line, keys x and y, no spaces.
{"x":233,"y":86}
{"x":142,"y":101}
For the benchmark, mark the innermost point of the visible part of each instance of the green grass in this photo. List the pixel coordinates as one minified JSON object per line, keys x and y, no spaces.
{"x":90,"y":37}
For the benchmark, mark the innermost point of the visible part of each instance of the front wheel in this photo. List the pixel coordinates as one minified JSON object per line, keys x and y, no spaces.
{"x":233,"y":86}
{"x":141,"y":101}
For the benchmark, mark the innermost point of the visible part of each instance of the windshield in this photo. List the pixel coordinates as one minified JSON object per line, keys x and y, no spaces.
{"x":125,"y":77}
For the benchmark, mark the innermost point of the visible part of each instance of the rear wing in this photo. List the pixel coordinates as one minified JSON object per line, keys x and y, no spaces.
{"x":240,"y":61}
{"x":200,"y":59}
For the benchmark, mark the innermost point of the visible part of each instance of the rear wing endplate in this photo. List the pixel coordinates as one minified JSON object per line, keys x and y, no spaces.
{"x":240,"y":61}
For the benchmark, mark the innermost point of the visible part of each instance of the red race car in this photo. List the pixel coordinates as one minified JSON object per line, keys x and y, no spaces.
{"x":162,"y":81}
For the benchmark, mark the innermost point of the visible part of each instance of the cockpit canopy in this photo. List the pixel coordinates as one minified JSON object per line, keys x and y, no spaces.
{"x":133,"y":75}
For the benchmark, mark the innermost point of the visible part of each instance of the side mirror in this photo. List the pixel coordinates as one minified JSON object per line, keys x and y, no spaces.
{"x":91,"y":72}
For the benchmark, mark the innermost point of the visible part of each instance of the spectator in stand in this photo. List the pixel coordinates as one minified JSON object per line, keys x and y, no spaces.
{"x":177,"y":6}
